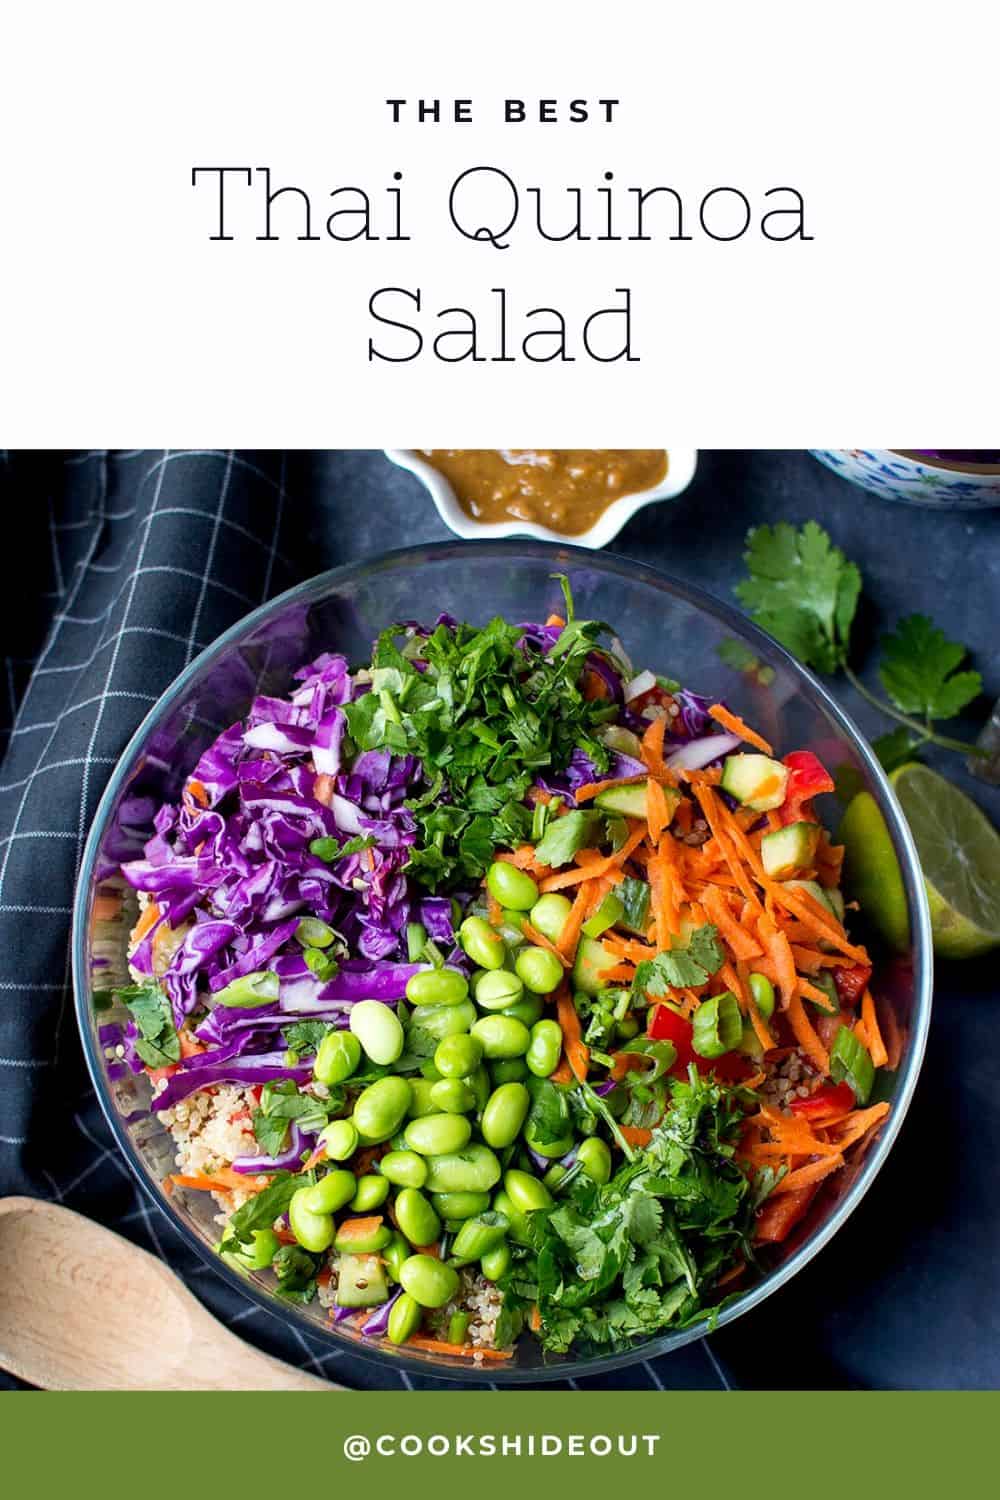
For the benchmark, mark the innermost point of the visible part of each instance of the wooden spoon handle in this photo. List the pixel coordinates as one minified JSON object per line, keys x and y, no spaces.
{"x":83,"y":1309}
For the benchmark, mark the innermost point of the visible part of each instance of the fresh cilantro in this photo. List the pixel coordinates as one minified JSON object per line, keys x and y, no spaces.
{"x":280,"y":1103}
{"x":261,"y":1211}
{"x":682,"y":965}
{"x":613,"y":1264}
{"x":485,"y":711}
{"x":918,"y":670}
{"x":158,"y":1044}
{"x":548,"y":1120}
{"x":567,"y":836}
{"x":634,"y":897}
{"x":304,"y":1037}
{"x":804,"y":591}
{"x":329,"y":849}
{"x":295,"y":1270}
{"x":893,"y":749}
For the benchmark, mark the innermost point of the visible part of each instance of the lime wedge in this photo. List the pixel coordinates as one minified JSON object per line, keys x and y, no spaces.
{"x":872,"y":875}
{"x":960,"y":857}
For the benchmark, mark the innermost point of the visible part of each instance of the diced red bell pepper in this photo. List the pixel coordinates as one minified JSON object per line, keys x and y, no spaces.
{"x":807,"y":778}
{"x":831,"y":1098}
{"x":665,"y":1025}
{"x":851,"y":981}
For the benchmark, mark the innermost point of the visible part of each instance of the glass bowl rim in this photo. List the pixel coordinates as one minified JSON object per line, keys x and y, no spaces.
{"x":697,"y":598}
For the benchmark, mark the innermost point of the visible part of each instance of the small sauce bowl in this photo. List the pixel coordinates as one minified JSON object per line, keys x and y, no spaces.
{"x":681,"y":465}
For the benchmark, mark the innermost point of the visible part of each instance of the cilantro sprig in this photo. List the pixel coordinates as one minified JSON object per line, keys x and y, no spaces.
{"x":805,"y":591}
{"x":158,"y":1044}
{"x":682,"y":965}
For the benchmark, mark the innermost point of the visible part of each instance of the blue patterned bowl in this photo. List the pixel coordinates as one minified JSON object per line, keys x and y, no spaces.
{"x":915,"y":479}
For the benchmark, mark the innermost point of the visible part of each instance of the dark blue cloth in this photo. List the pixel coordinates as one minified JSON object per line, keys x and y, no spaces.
{"x":127,"y":564}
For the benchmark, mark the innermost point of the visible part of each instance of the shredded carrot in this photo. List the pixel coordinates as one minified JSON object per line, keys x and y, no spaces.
{"x":314,"y":1158}
{"x":779,"y":1216}
{"x":107,"y":906}
{"x":740,"y":942}
{"x":806,"y":1176}
{"x":858,"y":1123}
{"x":806,"y":1036}
{"x":636,"y":1135}
{"x":540,"y":941}
{"x":462,"y":1351}
{"x":659,"y":811}
{"x":576,"y":1051}
{"x":352,"y":1229}
{"x":556,"y":620}
{"x":563,"y":1073}
{"x":582,"y":906}
{"x":535,"y":1318}
{"x":522,"y":858}
{"x":652,"y":747}
{"x":224,"y":1180}
{"x":323,"y":788}
{"x":605,"y":866}
{"x":876,"y":1046}
{"x":148,"y":918}
{"x":779,"y":951}
{"x":495,"y":912}
{"x":735,"y":725}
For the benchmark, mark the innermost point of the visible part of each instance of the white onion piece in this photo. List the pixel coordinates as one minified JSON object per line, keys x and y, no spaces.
{"x":639,"y":685}
{"x":346,"y":816}
{"x":702,"y":752}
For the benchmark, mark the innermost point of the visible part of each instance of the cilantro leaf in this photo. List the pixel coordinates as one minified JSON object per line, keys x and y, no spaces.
{"x":567,"y":836}
{"x":681,"y":965}
{"x":803,"y":590}
{"x":260,"y":1211}
{"x":895,"y":748}
{"x":158,"y":1044}
{"x":918,"y":670}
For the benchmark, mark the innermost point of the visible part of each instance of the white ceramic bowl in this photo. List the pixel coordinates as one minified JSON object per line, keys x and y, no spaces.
{"x":681,"y":464}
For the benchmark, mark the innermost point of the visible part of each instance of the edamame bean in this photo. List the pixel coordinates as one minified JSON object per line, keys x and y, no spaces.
{"x":380,"y":1109}
{"x":454,"y":1207}
{"x":549,"y":913}
{"x":510,"y":886}
{"x":496,"y":1263}
{"x":594,"y":1157}
{"x":483,"y":945}
{"x":421,"y":1103}
{"x":403,"y":1169}
{"x":526,"y":1192}
{"x":479,"y":1083}
{"x":539,"y":969}
{"x":472,"y":1170}
{"x":437,"y":987}
{"x":519,"y":1228}
{"x":528,"y":1010}
{"x":258,"y":1255}
{"x":508,"y":1070}
{"x":452,"y":1096}
{"x":479,"y":1236}
{"x":312,"y":1230}
{"x":555,"y":1175}
{"x":437,"y":1135}
{"x":545,"y":1049}
{"x":378,"y":1029}
{"x":505,"y":1113}
{"x":340,"y":1138}
{"x":457,"y":1056}
{"x":395,"y":1253}
{"x":498,"y":989}
{"x":440,"y":1021}
{"x":502,"y":1036}
{"x":330,"y":1194}
{"x":371,"y":1192}
{"x":416,"y":1218}
{"x":337,"y":1056}
{"x":428,"y":1281}
{"x":762,"y":991}
{"x":404,"y":1318}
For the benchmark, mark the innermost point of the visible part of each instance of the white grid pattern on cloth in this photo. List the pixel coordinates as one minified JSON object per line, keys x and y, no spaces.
{"x":97,"y":589}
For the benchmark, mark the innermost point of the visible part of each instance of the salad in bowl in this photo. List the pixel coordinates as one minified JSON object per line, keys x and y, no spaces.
{"x":498,"y":988}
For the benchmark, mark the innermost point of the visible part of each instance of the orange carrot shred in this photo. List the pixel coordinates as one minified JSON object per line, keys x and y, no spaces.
{"x":735,"y":725}
{"x":876,"y":1046}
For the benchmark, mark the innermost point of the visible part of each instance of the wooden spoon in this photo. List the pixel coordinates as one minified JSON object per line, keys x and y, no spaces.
{"x":82,"y":1309}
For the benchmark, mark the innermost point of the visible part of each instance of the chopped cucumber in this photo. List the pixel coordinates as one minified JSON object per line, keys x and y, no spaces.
{"x":360,"y":1281}
{"x":627,"y":800}
{"x":789,"y":849}
{"x":825,"y":982}
{"x":592,"y":961}
{"x":757,"y":781}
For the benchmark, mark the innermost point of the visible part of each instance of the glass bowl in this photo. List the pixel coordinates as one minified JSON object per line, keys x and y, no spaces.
{"x":665,"y":624}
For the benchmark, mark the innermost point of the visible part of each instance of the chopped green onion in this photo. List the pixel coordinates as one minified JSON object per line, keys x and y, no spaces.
{"x":607,"y":914}
{"x":312,"y":933}
{"x":617,"y":832}
{"x":539,"y":818}
{"x":717,"y":1026}
{"x":250,"y":990}
{"x":458,"y":1327}
{"x":416,"y":941}
{"x":432,"y":954}
{"x":851,"y":1063}
{"x":321,"y":964}
{"x":291,"y":1058}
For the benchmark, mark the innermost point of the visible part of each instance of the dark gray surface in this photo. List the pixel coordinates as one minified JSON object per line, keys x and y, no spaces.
{"x":908,"y":1295}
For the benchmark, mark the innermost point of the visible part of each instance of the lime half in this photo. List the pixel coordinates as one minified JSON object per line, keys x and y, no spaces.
{"x":960,"y":858}
{"x":872,"y":876}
